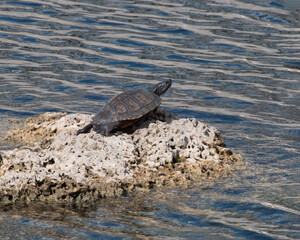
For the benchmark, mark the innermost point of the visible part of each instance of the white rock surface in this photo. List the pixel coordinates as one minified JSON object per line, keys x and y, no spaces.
{"x":56,"y":165}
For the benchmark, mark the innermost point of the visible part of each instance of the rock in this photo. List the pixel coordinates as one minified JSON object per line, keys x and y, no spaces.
{"x":55,"y":165}
{"x":35,"y":129}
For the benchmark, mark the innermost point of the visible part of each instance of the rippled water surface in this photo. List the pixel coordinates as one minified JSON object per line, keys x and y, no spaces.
{"x":234,"y":64}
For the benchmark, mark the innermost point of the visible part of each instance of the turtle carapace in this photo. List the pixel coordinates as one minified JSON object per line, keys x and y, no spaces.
{"x":126,"y":108}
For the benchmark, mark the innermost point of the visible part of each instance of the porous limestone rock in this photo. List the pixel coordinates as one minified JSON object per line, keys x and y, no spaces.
{"x":55,"y":164}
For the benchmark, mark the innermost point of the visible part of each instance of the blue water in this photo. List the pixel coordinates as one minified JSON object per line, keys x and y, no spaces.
{"x":234,"y":65}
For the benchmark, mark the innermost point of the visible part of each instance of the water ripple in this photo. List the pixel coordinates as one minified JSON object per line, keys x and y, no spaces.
{"x":234,"y":64}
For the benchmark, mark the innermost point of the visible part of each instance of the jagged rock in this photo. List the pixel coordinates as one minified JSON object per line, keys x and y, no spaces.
{"x":56,"y":165}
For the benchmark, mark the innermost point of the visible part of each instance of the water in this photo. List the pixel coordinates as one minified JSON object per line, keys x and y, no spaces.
{"x":234,"y":64}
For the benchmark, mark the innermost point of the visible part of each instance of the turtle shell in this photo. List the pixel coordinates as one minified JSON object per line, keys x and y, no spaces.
{"x":126,"y":107}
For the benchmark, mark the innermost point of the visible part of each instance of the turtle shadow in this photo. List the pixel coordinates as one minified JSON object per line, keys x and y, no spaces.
{"x":159,"y":115}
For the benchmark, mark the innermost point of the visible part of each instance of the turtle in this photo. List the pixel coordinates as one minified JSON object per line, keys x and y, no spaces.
{"x":127,"y":108}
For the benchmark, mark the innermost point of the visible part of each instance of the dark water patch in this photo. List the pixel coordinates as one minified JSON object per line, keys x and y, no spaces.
{"x":26,"y":4}
{"x":49,"y":12}
{"x":87,"y":21}
{"x":225,"y":47}
{"x":276,"y":4}
{"x":293,"y":64}
{"x":178,"y":57}
{"x":167,"y":31}
{"x":274,"y":20}
{"x":34,"y":57}
{"x":24,"y":99}
{"x":61,"y":88}
{"x":131,"y":7}
{"x":212,"y":98}
{"x":133,"y":43}
{"x":90,"y":81}
{"x":78,"y":27}
{"x":96,"y":97}
{"x":115,"y":51}
{"x":236,"y":65}
{"x":145,"y":67}
{"x":234,"y":84}
{"x":226,"y":102}
{"x":93,"y":59}
{"x":129,"y":87}
{"x":222,"y":45}
{"x":111,"y":224}
{"x":147,"y":10}
{"x":183,"y":58}
{"x":237,"y":51}
{"x":11,"y":69}
{"x":17,"y":20}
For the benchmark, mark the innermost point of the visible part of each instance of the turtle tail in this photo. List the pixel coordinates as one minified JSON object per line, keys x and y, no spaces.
{"x":86,"y":129}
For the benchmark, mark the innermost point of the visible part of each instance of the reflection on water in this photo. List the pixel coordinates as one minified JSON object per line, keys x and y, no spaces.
{"x":234,"y":64}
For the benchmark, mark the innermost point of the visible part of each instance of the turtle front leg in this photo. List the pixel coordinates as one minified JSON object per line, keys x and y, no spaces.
{"x":86,"y":129}
{"x":104,"y":129}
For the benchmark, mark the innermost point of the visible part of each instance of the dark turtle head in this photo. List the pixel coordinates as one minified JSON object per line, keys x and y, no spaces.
{"x":162,"y":87}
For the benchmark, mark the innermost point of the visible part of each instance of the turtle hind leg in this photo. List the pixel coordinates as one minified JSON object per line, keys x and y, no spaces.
{"x":86,"y":129}
{"x":104,"y":129}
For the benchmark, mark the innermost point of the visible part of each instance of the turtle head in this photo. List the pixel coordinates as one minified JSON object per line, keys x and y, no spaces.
{"x":162,"y":87}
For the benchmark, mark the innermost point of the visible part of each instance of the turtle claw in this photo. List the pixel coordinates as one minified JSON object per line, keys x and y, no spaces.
{"x":104,"y":129}
{"x":86,"y":129}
